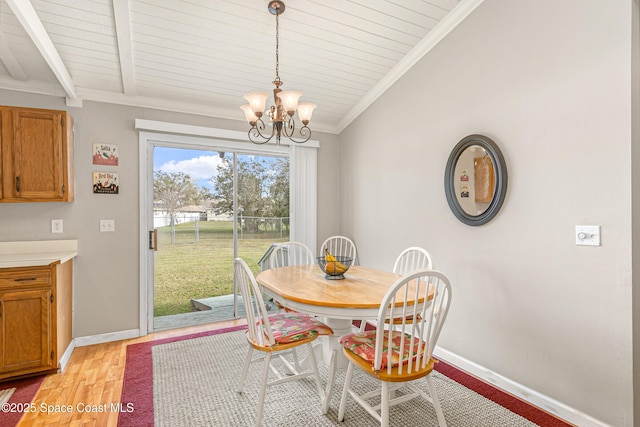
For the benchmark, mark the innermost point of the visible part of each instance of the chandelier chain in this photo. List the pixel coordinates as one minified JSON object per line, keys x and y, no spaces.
{"x":277,"y":47}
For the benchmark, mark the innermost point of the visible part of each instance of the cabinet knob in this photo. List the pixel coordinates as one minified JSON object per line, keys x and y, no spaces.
{"x":17,"y":184}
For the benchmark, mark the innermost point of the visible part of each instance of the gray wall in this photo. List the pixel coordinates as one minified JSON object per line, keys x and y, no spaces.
{"x":550,"y":82}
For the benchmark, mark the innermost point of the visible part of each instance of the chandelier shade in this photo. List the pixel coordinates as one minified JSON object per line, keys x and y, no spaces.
{"x":249,"y":114}
{"x":282,"y":113}
{"x":305,"y":111}
{"x":257,"y":102}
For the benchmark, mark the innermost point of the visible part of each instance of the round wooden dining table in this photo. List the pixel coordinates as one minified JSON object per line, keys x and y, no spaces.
{"x":305,"y":288}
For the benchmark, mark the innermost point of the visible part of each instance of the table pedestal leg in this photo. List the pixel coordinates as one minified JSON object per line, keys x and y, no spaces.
{"x":331,"y":343}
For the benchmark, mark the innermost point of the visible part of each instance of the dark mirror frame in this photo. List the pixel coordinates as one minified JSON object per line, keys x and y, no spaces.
{"x":500,"y":170}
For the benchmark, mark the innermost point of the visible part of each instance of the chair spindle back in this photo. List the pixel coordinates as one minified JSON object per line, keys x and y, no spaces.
{"x":258,"y":325}
{"x":422,"y":321}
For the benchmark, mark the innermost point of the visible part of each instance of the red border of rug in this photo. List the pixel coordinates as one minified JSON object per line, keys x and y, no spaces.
{"x":504,"y":399}
{"x":137,"y":384}
{"x":137,"y":387}
{"x":26,"y":390}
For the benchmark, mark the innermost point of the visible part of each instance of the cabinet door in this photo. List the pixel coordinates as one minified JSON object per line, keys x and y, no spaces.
{"x":25,"y":330}
{"x":38,"y":163}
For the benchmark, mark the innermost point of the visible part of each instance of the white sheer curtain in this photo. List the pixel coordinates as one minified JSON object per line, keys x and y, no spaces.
{"x":303,"y":203}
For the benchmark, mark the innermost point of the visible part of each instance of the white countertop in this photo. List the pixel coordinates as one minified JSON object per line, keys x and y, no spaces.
{"x":36,"y":253}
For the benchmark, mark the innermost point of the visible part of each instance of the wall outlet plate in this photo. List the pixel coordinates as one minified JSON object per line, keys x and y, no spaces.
{"x":588,"y":235}
{"x":107,"y":225}
{"x":56,"y":226}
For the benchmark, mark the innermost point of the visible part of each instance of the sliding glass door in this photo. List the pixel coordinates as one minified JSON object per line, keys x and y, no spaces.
{"x":273,"y":198}
{"x":208,"y":208}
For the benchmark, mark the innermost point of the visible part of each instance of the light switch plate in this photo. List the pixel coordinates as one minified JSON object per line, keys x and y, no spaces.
{"x":107,"y":225}
{"x":588,"y":235}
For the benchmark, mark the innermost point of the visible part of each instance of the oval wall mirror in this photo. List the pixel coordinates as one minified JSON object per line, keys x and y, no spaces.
{"x":475,"y":180}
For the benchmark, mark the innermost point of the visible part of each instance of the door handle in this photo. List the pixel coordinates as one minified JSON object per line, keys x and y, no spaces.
{"x":153,"y":240}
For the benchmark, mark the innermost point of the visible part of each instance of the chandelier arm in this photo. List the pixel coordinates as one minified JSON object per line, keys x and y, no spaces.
{"x":255,"y":133}
{"x":289,"y":131}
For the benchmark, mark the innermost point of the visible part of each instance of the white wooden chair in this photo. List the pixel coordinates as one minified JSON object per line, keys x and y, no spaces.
{"x":411,"y":259}
{"x":278,"y":334}
{"x":291,"y":253}
{"x":340,"y":246}
{"x":288,"y":253}
{"x":401,"y":355}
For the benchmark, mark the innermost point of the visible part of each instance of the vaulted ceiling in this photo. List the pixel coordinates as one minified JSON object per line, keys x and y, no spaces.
{"x":202,"y":56}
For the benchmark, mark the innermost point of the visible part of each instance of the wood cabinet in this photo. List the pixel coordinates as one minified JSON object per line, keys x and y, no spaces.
{"x":36,"y":151}
{"x":35,"y":318}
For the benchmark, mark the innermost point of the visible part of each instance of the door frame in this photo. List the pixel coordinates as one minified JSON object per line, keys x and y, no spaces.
{"x":302,"y":182}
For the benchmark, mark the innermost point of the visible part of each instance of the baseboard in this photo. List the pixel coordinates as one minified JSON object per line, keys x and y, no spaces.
{"x":532,"y":397}
{"x":64,"y":359}
{"x":108,"y":337}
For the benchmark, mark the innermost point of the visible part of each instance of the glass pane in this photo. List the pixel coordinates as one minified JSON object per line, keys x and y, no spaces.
{"x":194,"y":259}
{"x":194,"y":218}
{"x":263,"y":205}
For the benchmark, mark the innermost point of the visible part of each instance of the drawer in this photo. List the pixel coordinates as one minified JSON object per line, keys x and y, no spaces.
{"x":18,"y":277}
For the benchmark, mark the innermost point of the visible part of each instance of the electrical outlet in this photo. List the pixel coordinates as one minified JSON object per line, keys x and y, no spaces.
{"x":56,"y":226}
{"x":107,"y":225}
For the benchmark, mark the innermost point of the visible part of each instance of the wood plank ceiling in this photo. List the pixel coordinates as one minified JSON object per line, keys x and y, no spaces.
{"x":202,"y":56}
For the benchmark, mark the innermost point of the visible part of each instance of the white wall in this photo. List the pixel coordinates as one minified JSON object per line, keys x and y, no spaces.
{"x":550,"y":83}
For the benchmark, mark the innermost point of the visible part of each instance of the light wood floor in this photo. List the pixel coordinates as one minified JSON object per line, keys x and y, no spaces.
{"x":93,"y":376}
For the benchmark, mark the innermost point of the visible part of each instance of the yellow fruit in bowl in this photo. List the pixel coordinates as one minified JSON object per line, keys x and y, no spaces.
{"x":330,"y":268}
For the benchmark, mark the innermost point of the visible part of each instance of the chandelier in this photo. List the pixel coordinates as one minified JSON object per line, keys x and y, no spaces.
{"x":282,"y":113}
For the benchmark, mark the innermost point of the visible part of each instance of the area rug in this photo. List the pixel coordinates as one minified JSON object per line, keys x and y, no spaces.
{"x":23,"y":392}
{"x":191,"y":381}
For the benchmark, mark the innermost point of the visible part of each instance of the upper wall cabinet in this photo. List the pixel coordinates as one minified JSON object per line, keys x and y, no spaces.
{"x":36,"y":148}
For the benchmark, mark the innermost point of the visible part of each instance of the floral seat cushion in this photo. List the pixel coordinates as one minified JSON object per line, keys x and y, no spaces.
{"x":363,"y":345}
{"x":293,"y":326}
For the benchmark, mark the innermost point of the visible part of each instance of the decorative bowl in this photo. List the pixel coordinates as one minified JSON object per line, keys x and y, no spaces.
{"x":335,"y":270}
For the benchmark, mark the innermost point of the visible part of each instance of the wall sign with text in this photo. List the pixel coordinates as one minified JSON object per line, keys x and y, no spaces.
{"x":105,"y":154}
{"x":105,"y":183}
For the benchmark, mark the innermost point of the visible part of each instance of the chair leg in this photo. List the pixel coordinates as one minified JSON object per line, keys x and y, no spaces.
{"x":263,"y":388}
{"x":345,"y":392}
{"x":333,"y":361}
{"x":316,"y":373}
{"x":296,"y":361}
{"x":384,"y":402}
{"x":436,"y":402}
{"x":245,"y":370}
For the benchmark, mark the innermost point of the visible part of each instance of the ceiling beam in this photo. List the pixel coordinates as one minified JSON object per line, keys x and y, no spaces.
{"x":26,"y":14}
{"x":123,"y":35}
